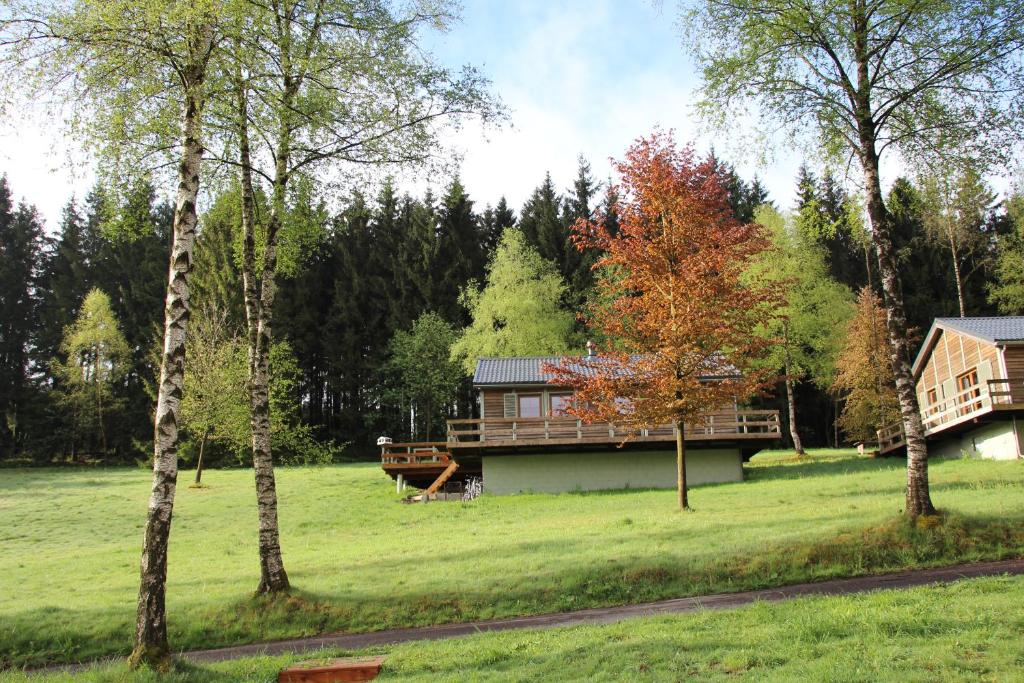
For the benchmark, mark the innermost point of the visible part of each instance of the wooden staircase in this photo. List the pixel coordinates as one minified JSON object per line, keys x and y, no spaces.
{"x":439,"y":482}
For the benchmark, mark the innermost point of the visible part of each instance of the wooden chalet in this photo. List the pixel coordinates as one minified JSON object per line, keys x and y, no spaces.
{"x":523,"y":440}
{"x":970,"y":386}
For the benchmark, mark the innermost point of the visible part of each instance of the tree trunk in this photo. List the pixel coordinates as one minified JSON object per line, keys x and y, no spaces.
{"x":429,"y":418}
{"x":798,"y":446}
{"x":918,"y":499}
{"x":259,"y":303}
{"x":684,"y":499}
{"x":151,"y":645}
{"x":957,"y":276}
{"x":199,"y":461}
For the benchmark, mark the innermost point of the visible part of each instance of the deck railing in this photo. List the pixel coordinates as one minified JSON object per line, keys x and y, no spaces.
{"x":420,"y":452}
{"x":960,"y":407}
{"x":970,"y":402}
{"x":524,"y":429}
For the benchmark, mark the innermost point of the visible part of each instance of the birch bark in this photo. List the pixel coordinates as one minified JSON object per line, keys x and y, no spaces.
{"x":918,"y":497}
{"x":151,"y":619}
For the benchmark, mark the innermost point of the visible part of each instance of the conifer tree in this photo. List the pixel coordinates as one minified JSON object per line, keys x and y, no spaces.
{"x":459,"y":256}
{"x":66,"y":280}
{"x":21,"y":252}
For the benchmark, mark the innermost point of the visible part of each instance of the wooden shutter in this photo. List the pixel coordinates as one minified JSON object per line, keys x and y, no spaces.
{"x":510,"y":405}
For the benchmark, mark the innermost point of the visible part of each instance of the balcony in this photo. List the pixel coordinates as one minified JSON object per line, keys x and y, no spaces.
{"x":489,"y":432}
{"x":963,"y":407}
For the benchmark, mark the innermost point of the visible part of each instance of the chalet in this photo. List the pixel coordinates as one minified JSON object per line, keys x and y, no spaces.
{"x":970,"y":386}
{"x":525,"y":441}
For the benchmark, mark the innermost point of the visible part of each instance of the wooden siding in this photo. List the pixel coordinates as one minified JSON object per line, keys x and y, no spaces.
{"x":1014,"y":359}
{"x":953,"y":355}
{"x":494,"y":399}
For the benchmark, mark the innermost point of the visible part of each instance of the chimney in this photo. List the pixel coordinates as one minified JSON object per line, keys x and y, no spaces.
{"x":590,"y":348}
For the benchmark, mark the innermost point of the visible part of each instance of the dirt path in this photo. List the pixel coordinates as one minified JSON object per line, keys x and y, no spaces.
{"x":606,"y":615}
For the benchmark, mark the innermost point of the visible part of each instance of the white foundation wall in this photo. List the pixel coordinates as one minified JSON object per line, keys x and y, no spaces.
{"x":995,"y":441}
{"x":595,"y":471}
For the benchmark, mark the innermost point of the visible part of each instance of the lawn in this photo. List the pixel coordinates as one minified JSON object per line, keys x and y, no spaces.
{"x":967,"y":631}
{"x":360,"y":560}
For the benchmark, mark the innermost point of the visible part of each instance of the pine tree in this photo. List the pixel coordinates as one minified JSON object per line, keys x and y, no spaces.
{"x":66,"y":279}
{"x":578,"y":267}
{"x":925,"y":271}
{"x":459,"y":255}
{"x":21,"y":252}
{"x":493,"y":223}
{"x":540,"y":221}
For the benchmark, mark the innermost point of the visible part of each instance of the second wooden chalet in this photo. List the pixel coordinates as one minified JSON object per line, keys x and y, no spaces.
{"x":970,"y":386}
{"x":523,"y":440}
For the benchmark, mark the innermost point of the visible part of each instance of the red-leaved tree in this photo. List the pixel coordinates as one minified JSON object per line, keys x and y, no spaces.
{"x":680,"y":309}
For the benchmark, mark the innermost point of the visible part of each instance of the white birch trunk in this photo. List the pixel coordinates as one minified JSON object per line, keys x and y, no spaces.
{"x":151,"y":620}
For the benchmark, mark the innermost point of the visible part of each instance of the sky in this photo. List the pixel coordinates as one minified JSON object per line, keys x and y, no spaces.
{"x":578,"y":78}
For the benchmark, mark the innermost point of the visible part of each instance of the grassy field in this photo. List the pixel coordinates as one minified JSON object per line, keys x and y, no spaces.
{"x":359,"y":560}
{"x":967,"y":631}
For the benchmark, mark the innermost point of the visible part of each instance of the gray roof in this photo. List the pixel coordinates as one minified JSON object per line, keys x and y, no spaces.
{"x":994,"y":329}
{"x":527,"y":370}
{"x":522,"y":370}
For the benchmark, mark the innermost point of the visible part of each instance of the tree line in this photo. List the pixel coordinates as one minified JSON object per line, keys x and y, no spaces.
{"x":391,"y":271}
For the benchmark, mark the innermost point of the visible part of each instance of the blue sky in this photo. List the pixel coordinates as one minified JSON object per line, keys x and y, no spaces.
{"x":581,"y":78}
{"x":578,"y":78}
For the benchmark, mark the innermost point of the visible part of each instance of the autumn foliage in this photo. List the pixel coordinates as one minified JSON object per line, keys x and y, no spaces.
{"x":865,"y":378}
{"x":678,"y":308}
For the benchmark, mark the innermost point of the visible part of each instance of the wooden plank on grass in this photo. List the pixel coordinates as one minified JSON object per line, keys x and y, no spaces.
{"x":340,"y":670}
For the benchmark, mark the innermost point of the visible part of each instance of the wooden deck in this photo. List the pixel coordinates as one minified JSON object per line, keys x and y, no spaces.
{"x":736,"y":425}
{"x":962,"y":408}
{"x":430,"y":464}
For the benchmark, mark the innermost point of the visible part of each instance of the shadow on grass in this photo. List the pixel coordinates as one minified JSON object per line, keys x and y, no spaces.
{"x":41,"y":636}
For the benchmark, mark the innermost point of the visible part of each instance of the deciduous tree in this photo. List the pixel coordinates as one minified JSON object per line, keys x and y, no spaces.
{"x":808,"y":327}
{"x":865,"y":77}
{"x":319,"y":83}
{"x":426,"y":375}
{"x":864,"y":377}
{"x":94,"y":358}
{"x":684,"y":310}
{"x":519,"y":310}
{"x":956,"y":205}
{"x":134,"y":75}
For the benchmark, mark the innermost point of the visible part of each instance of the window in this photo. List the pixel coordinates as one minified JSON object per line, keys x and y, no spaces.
{"x":967,"y":389}
{"x":933,"y":396}
{"x":560,"y":404}
{"x":529,"y":405}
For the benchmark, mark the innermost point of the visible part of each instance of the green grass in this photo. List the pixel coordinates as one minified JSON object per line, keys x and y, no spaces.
{"x":359,"y":560}
{"x":967,"y":631}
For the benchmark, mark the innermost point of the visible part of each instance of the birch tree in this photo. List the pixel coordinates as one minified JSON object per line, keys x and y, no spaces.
{"x":322,"y":84}
{"x":956,"y":205}
{"x":131,"y":78}
{"x":867,"y":78}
